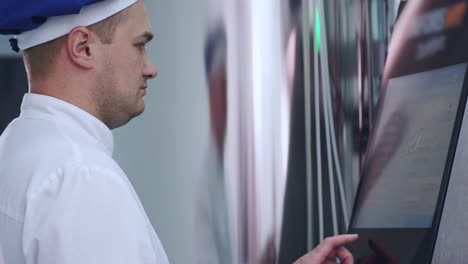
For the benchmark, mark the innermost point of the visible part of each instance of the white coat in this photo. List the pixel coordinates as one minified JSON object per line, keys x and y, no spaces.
{"x":63,"y":199}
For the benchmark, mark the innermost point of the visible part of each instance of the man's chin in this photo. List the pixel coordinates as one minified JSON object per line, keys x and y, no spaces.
{"x":139,"y":110}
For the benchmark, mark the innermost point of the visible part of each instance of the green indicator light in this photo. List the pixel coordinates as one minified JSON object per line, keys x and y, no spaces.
{"x":317,"y":29}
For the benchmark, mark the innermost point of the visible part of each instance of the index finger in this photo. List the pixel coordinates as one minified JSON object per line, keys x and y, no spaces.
{"x":329,"y":244}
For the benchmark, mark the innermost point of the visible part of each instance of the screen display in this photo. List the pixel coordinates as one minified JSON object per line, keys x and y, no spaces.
{"x":408,"y":151}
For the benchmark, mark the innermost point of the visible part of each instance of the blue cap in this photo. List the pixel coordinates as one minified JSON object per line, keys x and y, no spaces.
{"x":18,"y":16}
{"x":34,"y":22}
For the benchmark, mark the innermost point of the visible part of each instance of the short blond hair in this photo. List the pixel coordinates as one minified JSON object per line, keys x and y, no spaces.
{"x":39,"y":60}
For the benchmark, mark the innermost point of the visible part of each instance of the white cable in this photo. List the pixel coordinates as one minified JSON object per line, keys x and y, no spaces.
{"x":329,"y":160}
{"x":330,"y":118}
{"x":317,"y":140}
{"x":308,"y":129}
{"x":325,"y":92}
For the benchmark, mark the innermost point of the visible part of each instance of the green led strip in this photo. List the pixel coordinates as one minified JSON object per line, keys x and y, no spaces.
{"x":317,"y":29}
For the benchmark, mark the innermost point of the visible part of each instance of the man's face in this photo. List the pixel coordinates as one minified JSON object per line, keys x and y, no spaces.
{"x":126,"y":68}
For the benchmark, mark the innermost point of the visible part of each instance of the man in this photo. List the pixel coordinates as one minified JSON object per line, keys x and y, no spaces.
{"x":63,"y":199}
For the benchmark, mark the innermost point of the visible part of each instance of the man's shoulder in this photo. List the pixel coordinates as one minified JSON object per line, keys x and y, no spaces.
{"x":26,"y":135}
{"x":43,"y":142}
{"x":78,"y":177}
{"x":33,"y":144}
{"x":34,"y":152}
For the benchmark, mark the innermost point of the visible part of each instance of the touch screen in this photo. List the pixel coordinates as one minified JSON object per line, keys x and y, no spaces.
{"x":408,"y":152}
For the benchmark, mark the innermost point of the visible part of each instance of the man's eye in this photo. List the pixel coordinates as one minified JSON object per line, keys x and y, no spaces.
{"x":140,"y":45}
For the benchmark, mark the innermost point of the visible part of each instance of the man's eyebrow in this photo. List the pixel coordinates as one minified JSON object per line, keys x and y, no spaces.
{"x":148,"y":35}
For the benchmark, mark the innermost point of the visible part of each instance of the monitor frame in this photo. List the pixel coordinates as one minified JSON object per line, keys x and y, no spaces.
{"x":398,"y":239}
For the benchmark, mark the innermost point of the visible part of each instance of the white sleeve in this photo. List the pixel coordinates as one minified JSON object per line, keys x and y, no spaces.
{"x":85,"y":215}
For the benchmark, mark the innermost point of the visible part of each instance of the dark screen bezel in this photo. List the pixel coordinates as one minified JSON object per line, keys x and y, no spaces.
{"x":408,"y":233}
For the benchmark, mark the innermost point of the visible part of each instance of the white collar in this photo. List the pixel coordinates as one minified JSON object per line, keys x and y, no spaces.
{"x":66,"y":115}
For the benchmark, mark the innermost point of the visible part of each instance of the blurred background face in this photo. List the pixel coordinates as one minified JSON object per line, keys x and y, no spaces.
{"x":126,"y":68}
{"x":218,"y":107}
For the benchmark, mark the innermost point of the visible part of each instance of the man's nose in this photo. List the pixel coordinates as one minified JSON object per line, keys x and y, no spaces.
{"x":150,"y":71}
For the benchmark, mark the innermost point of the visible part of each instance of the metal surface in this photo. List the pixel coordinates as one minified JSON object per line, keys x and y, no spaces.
{"x":348,"y":82}
{"x":344,"y":51}
{"x":302,"y":78}
{"x":291,"y":85}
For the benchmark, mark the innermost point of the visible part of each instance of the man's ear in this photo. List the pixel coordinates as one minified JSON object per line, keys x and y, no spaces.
{"x":81,"y":47}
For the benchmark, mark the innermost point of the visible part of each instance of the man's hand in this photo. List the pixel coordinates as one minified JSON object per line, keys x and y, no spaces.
{"x":330,"y":248}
